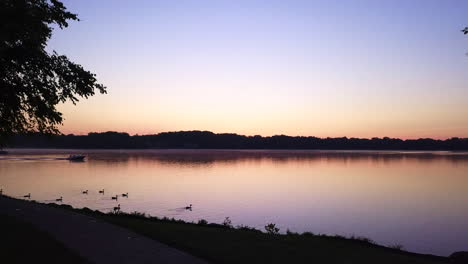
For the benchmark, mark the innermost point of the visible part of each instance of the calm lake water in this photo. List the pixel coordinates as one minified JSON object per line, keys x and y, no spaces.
{"x":416,"y":199}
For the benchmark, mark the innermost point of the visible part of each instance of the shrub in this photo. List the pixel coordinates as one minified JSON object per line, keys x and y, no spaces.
{"x":202,"y":222}
{"x":397,"y":247}
{"x":138,"y":214}
{"x":154,"y":218}
{"x":227,"y":222}
{"x":272,"y":229}
{"x":247,"y":228}
{"x":363,"y":239}
{"x":291,"y":233}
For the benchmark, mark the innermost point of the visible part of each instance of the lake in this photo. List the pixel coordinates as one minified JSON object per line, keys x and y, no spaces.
{"x":416,"y":199}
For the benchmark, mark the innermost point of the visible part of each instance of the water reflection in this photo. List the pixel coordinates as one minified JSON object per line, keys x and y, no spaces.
{"x":415,"y":199}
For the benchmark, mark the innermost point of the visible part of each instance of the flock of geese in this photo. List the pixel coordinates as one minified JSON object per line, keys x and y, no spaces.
{"x":116,"y":197}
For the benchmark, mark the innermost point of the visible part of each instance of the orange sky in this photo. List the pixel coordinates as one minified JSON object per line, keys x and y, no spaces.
{"x":251,"y":68}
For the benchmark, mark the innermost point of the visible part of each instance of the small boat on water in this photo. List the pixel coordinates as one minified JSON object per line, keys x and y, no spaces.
{"x":76,"y":157}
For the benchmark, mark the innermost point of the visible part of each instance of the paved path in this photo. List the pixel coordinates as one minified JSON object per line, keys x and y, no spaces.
{"x":95,"y":240}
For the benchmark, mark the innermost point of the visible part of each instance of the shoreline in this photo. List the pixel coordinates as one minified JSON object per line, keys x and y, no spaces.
{"x":244,"y":151}
{"x":166,"y":232}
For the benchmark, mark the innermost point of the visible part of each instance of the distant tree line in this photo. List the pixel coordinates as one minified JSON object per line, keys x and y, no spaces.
{"x":209,"y":140}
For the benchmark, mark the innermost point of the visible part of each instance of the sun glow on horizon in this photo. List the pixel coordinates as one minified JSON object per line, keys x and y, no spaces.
{"x":256,"y":69}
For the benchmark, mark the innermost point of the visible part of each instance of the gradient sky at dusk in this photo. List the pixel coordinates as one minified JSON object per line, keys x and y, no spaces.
{"x":314,"y":68}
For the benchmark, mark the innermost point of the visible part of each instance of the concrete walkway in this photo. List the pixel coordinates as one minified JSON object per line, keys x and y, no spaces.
{"x":95,"y":240}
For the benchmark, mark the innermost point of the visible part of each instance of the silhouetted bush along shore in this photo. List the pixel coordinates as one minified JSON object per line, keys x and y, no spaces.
{"x":209,"y":140}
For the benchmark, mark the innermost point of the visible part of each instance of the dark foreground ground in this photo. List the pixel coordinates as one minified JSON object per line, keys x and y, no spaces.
{"x":220,"y":244}
{"x":93,"y":239}
{"x":22,"y":242}
{"x":223,"y":244}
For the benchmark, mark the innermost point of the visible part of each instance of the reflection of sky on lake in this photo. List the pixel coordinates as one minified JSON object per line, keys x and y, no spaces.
{"x":415,"y":199}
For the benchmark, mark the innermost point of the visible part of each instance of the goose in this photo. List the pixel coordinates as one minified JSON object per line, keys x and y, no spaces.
{"x":125,"y":195}
{"x":115,"y":197}
{"x":117,"y":208}
{"x":188,"y":207}
{"x":101,"y":191}
{"x":85,"y":192}
{"x":27,"y":196}
{"x":59,"y":199}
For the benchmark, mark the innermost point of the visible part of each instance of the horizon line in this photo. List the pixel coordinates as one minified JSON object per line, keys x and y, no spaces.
{"x":256,"y":135}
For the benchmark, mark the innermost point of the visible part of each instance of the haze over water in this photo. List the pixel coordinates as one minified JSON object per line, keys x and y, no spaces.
{"x":417,"y":199}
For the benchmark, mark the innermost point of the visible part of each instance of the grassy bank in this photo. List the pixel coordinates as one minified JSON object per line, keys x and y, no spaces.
{"x":21,"y":242}
{"x":216,"y":243}
{"x":226,"y":244}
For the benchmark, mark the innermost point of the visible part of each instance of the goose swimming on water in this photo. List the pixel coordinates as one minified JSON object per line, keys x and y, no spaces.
{"x":85,"y":192}
{"x":115,"y":197}
{"x":125,"y":195}
{"x":27,"y":195}
{"x":188,"y":207}
{"x":59,"y":199}
{"x":101,"y":191}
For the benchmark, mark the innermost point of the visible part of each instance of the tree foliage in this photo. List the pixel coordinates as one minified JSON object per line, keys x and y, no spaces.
{"x":33,"y":81}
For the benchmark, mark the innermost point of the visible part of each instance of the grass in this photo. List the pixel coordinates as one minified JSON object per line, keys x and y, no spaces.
{"x":217,"y":243}
{"x":221,"y":243}
{"x":21,"y":242}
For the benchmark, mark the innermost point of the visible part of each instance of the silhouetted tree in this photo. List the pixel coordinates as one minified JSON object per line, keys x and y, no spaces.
{"x":32,"y":81}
